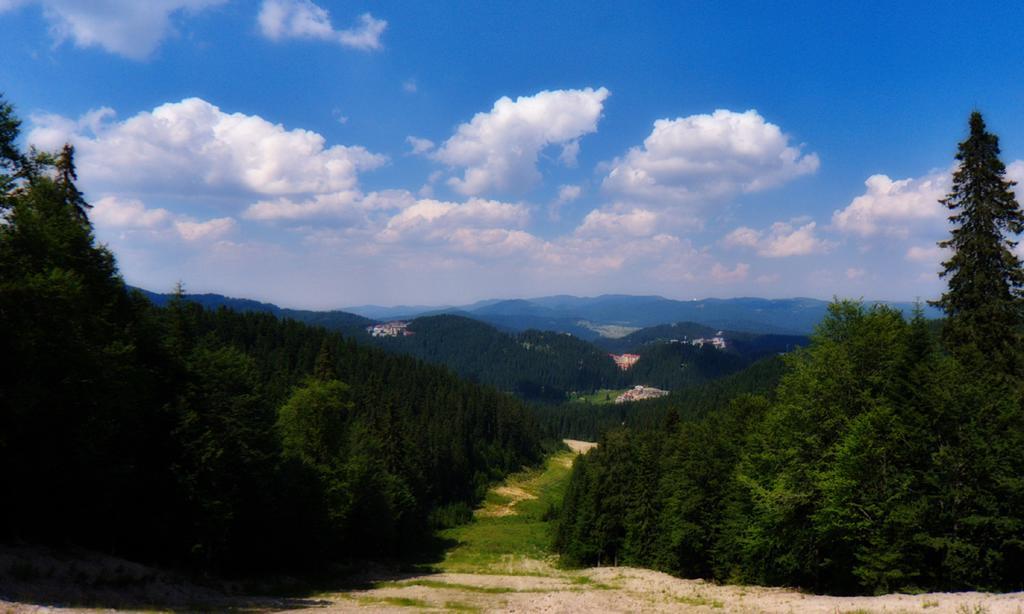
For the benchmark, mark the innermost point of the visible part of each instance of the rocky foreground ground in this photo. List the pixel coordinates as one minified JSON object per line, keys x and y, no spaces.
{"x":622,"y":589}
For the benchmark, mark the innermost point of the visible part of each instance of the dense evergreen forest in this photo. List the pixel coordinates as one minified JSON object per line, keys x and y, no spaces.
{"x":590,"y":422}
{"x":348,"y":324}
{"x":888,"y":458}
{"x":212,"y":439}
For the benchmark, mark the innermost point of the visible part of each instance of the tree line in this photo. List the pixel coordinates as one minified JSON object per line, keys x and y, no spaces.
{"x":217,"y":440}
{"x":886,"y":459}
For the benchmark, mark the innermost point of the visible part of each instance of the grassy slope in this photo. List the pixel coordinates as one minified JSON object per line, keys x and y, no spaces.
{"x":601,"y":397}
{"x":507,"y":544}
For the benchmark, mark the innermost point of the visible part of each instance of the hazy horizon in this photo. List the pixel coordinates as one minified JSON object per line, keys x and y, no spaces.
{"x":453,"y":305}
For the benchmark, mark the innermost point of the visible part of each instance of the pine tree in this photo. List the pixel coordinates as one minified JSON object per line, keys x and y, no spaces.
{"x":983,"y":304}
{"x":11,"y":160}
{"x":64,"y":164}
{"x":324,"y":369}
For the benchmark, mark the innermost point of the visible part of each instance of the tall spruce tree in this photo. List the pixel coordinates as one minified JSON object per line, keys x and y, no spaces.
{"x":11,"y":160}
{"x":64,"y":165}
{"x":983,"y":303}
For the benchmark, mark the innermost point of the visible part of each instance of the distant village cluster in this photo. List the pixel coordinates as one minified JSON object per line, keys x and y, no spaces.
{"x":390,"y":329}
{"x":639,"y":393}
{"x":626,"y":361}
{"x":718,"y":341}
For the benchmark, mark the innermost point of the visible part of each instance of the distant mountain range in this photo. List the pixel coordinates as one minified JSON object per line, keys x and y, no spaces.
{"x":613,"y":315}
{"x":590,"y":318}
{"x":521,"y":346}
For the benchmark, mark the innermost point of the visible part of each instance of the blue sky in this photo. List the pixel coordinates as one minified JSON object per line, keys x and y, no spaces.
{"x":336,"y":153}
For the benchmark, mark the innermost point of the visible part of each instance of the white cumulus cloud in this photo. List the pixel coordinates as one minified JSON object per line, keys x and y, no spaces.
{"x":780,"y":240}
{"x":721,"y":274}
{"x":130,"y":28}
{"x":129,"y":214}
{"x":634,"y":223}
{"x":210,"y":229}
{"x":283,"y":19}
{"x":419,"y":146}
{"x":351,"y":204}
{"x":927,"y":254}
{"x":493,"y":242}
{"x":499,"y":149}
{"x":891,"y":206}
{"x":568,"y":193}
{"x":195,"y":148}
{"x":700,"y":157}
{"x":433,"y":220}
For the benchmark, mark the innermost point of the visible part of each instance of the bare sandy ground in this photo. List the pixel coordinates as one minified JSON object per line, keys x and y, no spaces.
{"x":624,"y":589}
{"x":580,"y":447}
{"x":598,"y":590}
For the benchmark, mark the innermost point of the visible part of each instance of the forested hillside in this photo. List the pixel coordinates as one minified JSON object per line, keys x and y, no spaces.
{"x":535,"y":365}
{"x":742,"y":342}
{"x":213,"y":439}
{"x":540,"y":365}
{"x":341,"y":321}
{"x":589,"y":422}
{"x":887,"y":459}
{"x":546,"y":366}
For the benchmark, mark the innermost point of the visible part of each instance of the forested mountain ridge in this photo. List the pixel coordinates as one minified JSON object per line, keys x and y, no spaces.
{"x":211,"y":439}
{"x":546,"y":365}
{"x":740,"y":342}
{"x":341,"y":321}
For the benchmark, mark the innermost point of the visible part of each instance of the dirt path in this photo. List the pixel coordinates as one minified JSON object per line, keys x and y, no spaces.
{"x":580,"y":447}
{"x":513,"y":494}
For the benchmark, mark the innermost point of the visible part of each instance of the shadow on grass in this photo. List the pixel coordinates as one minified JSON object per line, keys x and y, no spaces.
{"x":73,"y":577}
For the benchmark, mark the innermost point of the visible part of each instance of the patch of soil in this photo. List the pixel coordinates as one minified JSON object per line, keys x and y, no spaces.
{"x":580,"y":447}
{"x":514,"y":494}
